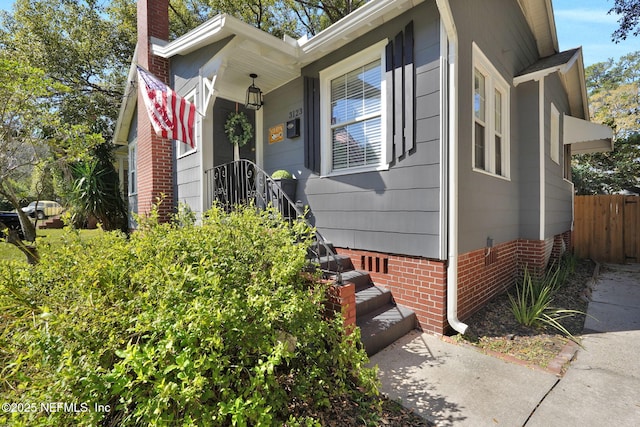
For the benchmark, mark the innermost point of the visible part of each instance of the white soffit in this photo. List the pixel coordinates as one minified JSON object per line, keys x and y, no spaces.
{"x":218,"y":28}
{"x":539,"y":15}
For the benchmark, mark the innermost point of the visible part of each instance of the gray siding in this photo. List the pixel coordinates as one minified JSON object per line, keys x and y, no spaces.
{"x":133,"y":198}
{"x":558,"y":191}
{"x":395,"y":211}
{"x":284,"y":104}
{"x":492,"y":206}
{"x":528,"y":164}
{"x":185,"y":69}
{"x":188,"y":177}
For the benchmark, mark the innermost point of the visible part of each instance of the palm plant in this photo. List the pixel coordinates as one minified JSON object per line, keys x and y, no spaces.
{"x":96,"y":190}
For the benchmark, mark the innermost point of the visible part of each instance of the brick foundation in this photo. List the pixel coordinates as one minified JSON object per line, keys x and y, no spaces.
{"x":415,"y":282}
{"x":420,"y":283}
{"x":483,"y":274}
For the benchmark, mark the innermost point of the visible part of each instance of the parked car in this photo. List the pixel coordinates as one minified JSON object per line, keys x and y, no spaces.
{"x":44,"y":209}
{"x":11,"y":221}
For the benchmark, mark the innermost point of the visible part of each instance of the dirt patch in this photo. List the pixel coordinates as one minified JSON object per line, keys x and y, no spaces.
{"x":495,"y":329}
{"x":368,"y":411}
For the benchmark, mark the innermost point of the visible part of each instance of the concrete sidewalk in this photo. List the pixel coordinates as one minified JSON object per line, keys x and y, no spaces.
{"x":454,"y":385}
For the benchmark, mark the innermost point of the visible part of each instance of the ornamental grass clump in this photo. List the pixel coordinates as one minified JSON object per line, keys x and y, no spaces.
{"x":210,"y":325}
{"x":532,"y":303}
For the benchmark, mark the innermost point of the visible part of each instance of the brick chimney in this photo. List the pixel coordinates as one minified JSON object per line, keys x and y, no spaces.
{"x":155,"y":154}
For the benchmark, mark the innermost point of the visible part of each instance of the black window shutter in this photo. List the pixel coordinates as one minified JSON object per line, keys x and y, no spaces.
{"x":398,"y":107}
{"x":390,"y":103}
{"x":409,"y":91}
{"x":312,"y":124}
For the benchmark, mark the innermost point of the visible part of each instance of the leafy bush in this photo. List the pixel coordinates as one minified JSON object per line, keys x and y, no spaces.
{"x":212,"y":325}
{"x":281,"y":174}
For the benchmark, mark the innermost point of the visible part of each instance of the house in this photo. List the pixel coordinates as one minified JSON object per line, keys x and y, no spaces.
{"x":431,"y":140}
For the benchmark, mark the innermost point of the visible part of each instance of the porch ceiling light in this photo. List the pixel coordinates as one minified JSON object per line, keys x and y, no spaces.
{"x":254,"y":95}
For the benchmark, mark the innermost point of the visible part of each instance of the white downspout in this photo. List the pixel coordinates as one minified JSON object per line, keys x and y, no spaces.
{"x":446,"y":17}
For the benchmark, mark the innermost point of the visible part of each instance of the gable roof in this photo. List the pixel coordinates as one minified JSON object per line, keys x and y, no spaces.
{"x":569,"y":65}
{"x":582,"y":135}
{"x":558,"y":62}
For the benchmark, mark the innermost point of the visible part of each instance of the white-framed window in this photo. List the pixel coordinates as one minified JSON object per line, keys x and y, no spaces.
{"x":491,"y":144}
{"x":352,"y":113}
{"x":133,"y":168}
{"x":182,"y":149}
{"x":554,"y":138}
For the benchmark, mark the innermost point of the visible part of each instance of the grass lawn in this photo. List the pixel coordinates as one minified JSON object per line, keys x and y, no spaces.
{"x":10,"y":252}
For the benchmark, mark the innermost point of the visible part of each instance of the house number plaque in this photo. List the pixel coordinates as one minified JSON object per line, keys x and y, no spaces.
{"x":276,"y":133}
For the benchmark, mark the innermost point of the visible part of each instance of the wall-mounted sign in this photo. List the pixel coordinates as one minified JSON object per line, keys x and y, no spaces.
{"x":276,"y":133}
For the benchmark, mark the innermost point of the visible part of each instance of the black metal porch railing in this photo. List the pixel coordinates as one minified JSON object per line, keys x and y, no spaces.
{"x":243,"y":182}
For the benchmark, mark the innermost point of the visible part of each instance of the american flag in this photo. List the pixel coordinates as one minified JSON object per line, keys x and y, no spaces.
{"x":171,"y":116}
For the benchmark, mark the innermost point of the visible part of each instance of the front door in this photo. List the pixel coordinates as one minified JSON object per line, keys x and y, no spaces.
{"x":222,"y":148}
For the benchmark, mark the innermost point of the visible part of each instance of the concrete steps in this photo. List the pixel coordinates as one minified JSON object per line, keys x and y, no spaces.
{"x":51,"y":222}
{"x":384,"y":326}
{"x":380,"y":320}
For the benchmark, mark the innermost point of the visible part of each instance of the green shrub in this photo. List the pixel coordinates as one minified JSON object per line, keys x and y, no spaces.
{"x":211,"y":325}
{"x":281,"y":174}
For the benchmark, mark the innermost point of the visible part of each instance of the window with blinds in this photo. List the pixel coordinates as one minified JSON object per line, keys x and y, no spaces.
{"x":352,"y":113}
{"x":356,"y":109}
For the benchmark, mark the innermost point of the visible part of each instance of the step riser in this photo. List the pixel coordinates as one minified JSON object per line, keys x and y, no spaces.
{"x":360,"y":279}
{"x":381,"y":322}
{"x":382,"y":331}
{"x":371,"y":299}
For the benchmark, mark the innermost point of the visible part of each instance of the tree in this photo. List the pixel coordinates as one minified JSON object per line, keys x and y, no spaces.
{"x":614,"y":97}
{"x":30,"y":135}
{"x":630,"y":20}
{"x":77,"y":46}
{"x":86,"y":46}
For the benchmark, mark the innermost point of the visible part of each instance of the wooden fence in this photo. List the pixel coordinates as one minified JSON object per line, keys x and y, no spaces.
{"x":607,"y":228}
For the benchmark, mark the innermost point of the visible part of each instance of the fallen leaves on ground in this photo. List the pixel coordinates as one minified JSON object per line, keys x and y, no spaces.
{"x":494,"y":328}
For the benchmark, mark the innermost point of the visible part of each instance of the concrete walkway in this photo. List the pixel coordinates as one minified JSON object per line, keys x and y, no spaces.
{"x":454,"y":385}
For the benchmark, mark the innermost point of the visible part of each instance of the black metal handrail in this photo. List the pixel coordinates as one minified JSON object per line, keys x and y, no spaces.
{"x":242,"y":182}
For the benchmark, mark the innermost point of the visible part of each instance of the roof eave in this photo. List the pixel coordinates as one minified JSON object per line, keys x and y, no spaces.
{"x":357,"y":23}
{"x":572,"y":74}
{"x":127,"y":106}
{"x":218,"y":28}
{"x":539,"y":16}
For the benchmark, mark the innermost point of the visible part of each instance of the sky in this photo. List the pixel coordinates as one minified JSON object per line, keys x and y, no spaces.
{"x":578,"y":23}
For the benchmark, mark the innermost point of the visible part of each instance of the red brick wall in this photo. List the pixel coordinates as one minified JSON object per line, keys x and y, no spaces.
{"x":420,"y":283}
{"x":532,"y":254}
{"x":483,"y":274}
{"x":155,"y":154}
{"x":415,"y":282}
{"x":343,"y":299}
{"x":561,"y":244}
